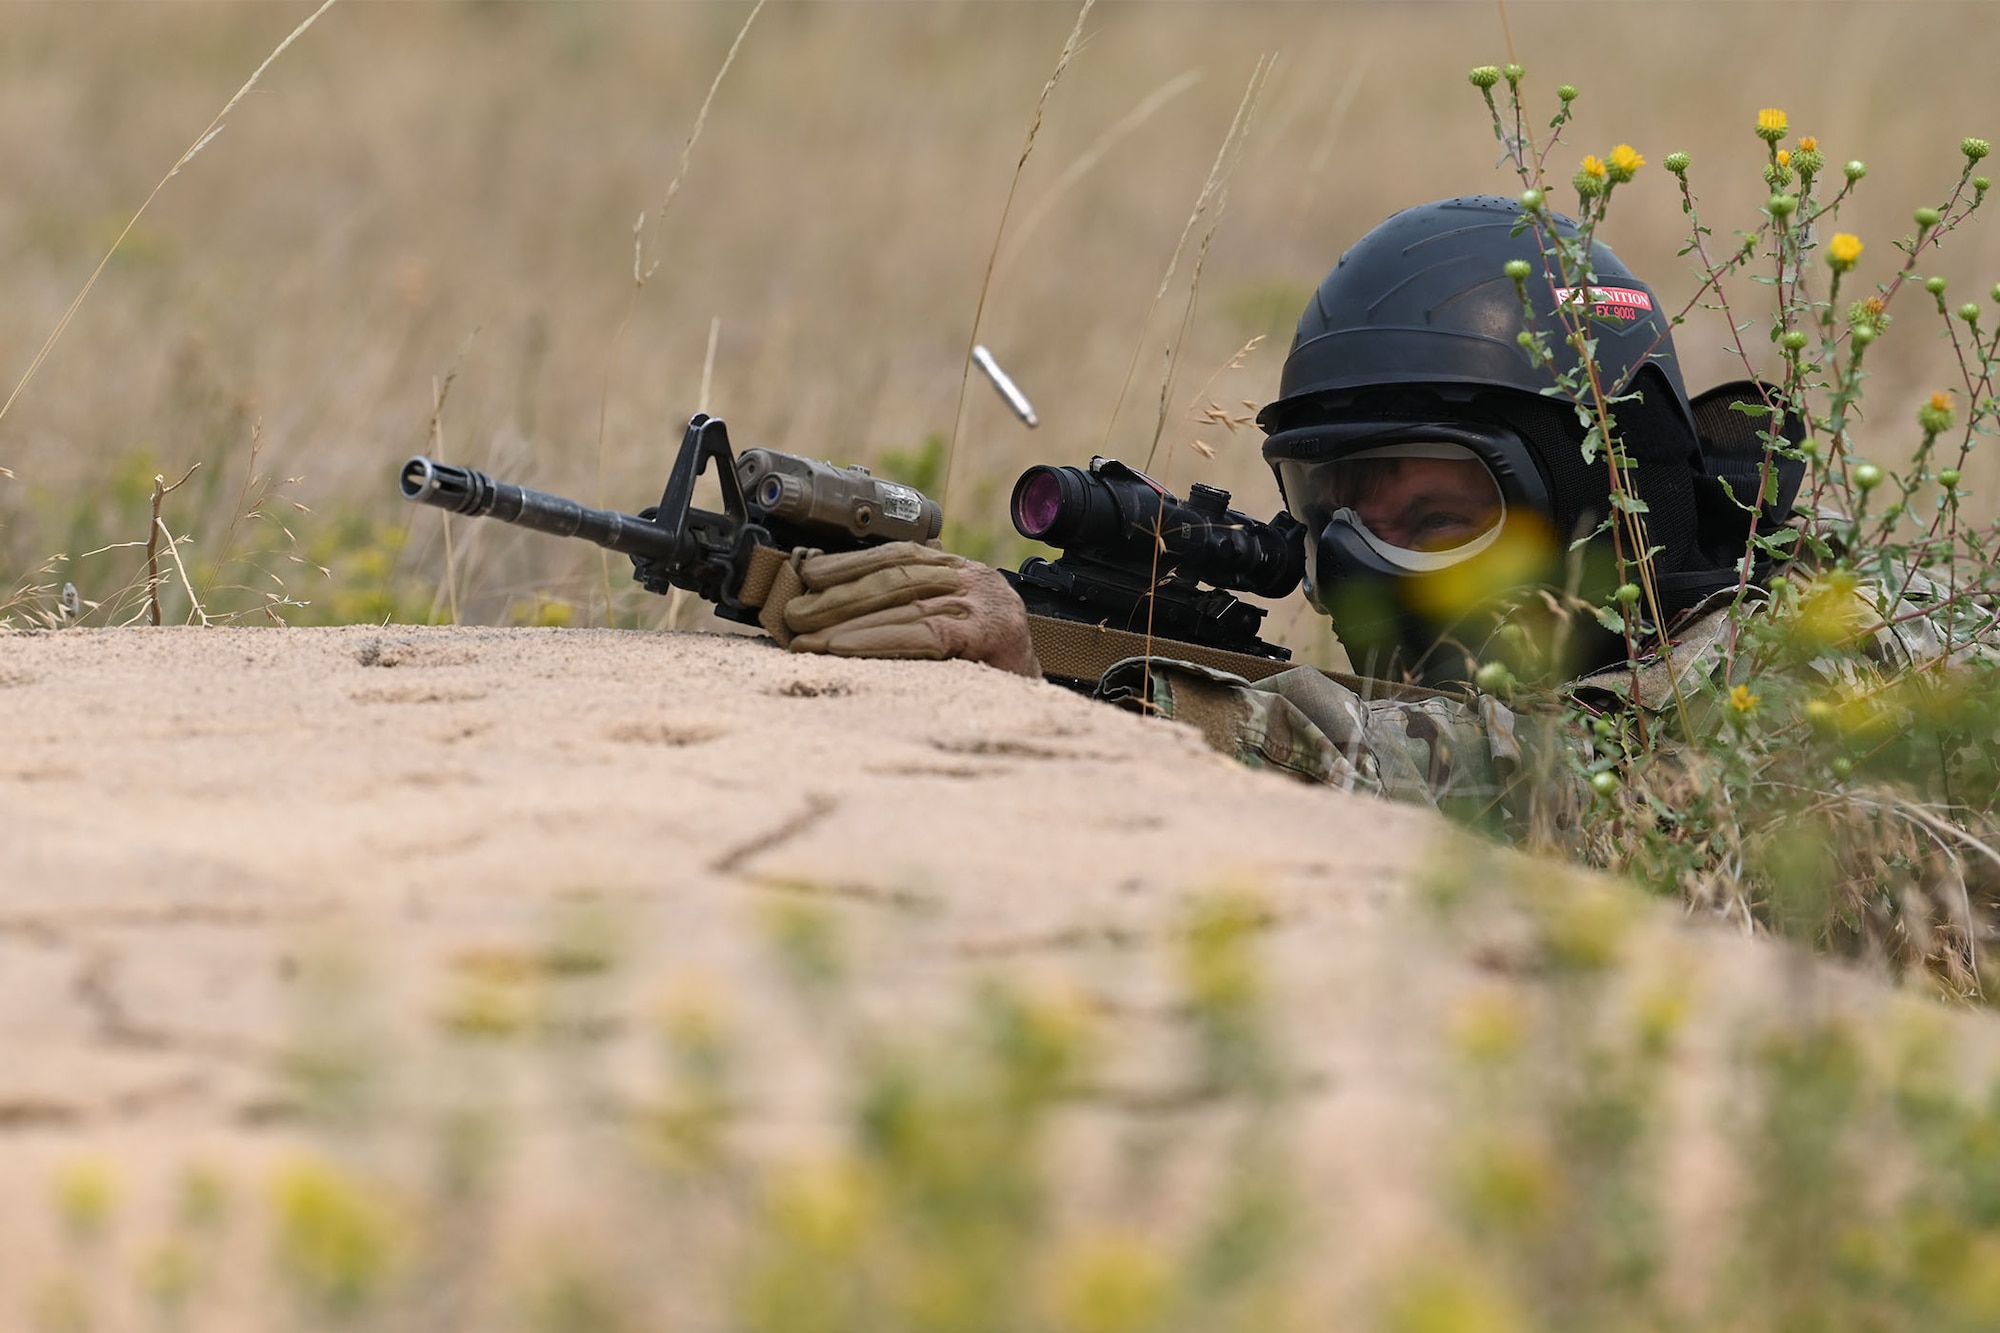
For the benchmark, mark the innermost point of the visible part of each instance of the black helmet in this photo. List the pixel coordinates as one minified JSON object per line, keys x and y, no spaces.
{"x":1411,"y":347}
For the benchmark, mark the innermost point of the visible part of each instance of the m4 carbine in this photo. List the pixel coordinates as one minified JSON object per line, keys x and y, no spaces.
{"x":1129,"y":582}
{"x":771,"y":503}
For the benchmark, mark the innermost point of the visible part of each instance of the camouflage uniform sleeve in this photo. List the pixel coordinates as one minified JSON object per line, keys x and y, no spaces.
{"x":1458,"y":755}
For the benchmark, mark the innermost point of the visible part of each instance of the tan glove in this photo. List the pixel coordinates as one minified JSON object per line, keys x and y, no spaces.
{"x":902,"y":600}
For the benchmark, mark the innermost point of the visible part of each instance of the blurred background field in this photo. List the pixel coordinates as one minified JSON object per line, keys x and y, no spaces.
{"x":427,"y":198}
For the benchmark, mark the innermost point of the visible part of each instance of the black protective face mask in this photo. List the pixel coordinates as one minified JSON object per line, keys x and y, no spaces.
{"x":1367,"y":571}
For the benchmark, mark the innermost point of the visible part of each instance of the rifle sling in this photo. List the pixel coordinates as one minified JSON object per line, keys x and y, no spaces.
{"x":765,"y":562}
{"x":1083,"y":651}
{"x":1079,"y":651}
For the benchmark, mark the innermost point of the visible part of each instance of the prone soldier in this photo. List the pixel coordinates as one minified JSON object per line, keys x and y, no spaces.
{"x":1460,"y":530}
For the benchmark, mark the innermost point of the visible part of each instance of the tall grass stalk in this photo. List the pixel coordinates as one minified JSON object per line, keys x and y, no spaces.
{"x":1070,"y":45}
{"x":641,"y":271}
{"x":1218,"y":174}
{"x":201,"y":142}
{"x":1247,"y":116}
{"x":1086,"y":161}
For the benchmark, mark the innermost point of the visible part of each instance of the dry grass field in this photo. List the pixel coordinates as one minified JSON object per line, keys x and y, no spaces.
{"x":430,"y":195}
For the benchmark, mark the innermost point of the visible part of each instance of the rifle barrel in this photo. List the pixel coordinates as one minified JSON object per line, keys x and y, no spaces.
{"x":464,"y":490}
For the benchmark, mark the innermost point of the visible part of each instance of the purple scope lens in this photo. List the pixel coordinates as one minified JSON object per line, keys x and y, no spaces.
{"x":1038,"y":503}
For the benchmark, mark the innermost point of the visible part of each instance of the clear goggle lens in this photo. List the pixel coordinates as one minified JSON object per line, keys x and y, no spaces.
{"x":1419,"y":506}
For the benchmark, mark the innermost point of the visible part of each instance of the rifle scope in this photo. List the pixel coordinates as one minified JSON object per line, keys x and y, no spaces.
{"x":1119,"y":516}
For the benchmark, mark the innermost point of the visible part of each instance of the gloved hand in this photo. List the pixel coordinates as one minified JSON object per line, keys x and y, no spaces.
{"x":903,"y":600}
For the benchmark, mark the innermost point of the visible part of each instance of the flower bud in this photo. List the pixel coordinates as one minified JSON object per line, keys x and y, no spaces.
{"x":1794,"y":340}
{"x":1974,"y":149}
{"x":1604,"y":783}
{"x":1531,"y":200}
{"x":1935,"y":286}
{"x":1855,"y":170}
{"x":1843,"y":767}
{"x":1935,"y":417}
{"x":1866,"y":476}
{"x":1526,"y":339}
{"x":1981,"y":184}
{"x":1949,"y":478}
{"x":1493,"y":677}
{"x":1567,"y":92}
{"x":1484,"y":76}
{"x":1928,"y":218}
{"x":1514,"y":73}
{"x":1627,"y":593}
{"x":1519,"y":269}
{"x":1863,"y":334}
{"x":1782,"y":205}
{"x":1969,"y":312}
{"x":1677,"y":163}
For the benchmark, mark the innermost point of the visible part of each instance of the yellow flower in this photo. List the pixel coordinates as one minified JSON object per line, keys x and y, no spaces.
{"x":1771,"y":124}
{"x":340,"y":1239}
{"x":1593,"y":167}
{"x":1742,"y":700}
{"x":1114,"y":1284}
{"x":1624,"y":161}
{"x":1808,"y":144}
{"x":1784,"y":157}
{"x":87,"y":1195}
{"x":1842,"y":251}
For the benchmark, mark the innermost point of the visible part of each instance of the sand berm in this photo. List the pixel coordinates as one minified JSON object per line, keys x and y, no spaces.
{"x":190,"y":815}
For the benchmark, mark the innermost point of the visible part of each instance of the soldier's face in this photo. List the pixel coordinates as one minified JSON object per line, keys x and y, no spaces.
{"x":1419,"y":504}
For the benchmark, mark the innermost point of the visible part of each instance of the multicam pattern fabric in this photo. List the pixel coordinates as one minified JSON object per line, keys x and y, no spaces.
{"x":1463,"y":753}
{"x":1458,"y":754}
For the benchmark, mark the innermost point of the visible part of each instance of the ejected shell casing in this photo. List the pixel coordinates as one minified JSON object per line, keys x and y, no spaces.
{"x":1008,"y":389}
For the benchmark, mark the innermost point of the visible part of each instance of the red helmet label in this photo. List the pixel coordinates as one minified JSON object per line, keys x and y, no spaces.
{"x":1626,"y":303}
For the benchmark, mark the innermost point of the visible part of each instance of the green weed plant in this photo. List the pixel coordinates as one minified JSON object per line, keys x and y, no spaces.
{"x":1834,"y":775}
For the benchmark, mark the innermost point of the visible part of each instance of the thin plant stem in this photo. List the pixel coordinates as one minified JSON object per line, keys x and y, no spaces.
{"x":201,"y":141}
{"x":641,"y":271}
{"x":1217,"y":173}
{"x":1070,"y":45}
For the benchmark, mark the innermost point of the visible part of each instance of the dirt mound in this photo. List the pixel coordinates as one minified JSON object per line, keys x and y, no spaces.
{"x":194,"y":816}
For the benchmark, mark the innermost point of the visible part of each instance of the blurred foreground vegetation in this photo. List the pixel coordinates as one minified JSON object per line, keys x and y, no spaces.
{"x":995,"y":1168}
